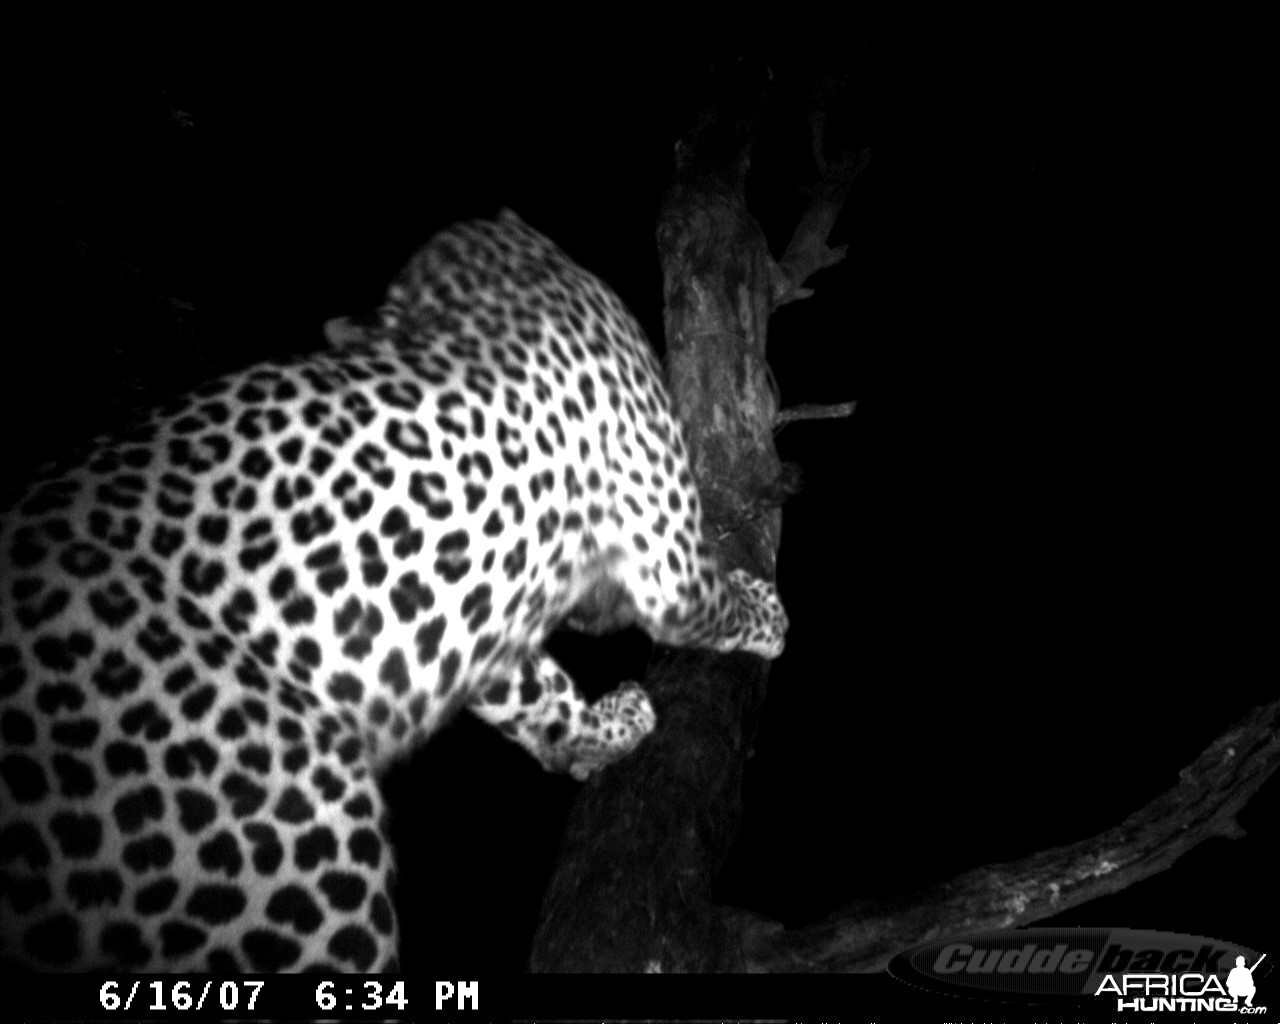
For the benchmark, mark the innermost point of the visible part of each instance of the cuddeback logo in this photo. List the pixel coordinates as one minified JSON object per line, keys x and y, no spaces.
{"x":1130,"y":970}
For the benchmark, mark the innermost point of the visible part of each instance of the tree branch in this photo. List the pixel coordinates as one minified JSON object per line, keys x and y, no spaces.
{"x":1209,"y":794}
{"x":840,"y":410}
{"x":808,"y":252}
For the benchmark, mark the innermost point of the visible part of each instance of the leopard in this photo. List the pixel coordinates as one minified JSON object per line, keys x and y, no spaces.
{"x":220,"y":627}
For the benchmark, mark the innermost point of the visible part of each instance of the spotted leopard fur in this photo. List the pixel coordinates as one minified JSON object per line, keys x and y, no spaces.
{"x":217,"y":630}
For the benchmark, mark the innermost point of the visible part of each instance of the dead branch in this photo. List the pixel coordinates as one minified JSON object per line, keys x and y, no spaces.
{"x":1209,"y":794}
{"x":840,"y":410}
{"x":808,"y":252}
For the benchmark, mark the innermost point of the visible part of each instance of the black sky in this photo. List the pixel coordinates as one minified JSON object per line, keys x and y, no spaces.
{"x":1023,"y":579}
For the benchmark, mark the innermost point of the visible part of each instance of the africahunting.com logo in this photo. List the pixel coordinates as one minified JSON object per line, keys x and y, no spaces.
{"x":1129,"y":971}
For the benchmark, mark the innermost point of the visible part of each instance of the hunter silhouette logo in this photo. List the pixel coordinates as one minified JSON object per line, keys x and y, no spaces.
{"x":1240,"y":980}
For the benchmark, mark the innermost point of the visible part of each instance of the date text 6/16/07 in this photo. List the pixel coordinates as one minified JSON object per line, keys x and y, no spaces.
{"x":160,"y":996}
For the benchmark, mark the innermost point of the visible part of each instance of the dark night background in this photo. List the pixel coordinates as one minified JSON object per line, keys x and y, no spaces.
{"x":1024,"y":579}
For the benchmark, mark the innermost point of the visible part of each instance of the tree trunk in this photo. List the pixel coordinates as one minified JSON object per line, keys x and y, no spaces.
{"x":645,"y":840}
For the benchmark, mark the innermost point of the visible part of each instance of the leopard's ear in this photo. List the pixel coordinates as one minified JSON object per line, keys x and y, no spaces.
{"x":342,"y":331}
